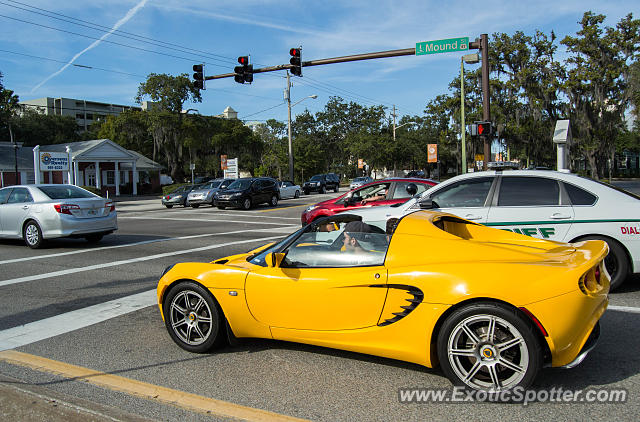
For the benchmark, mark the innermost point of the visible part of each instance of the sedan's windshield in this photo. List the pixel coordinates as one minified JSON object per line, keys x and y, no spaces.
{"x":240,"y":184}
{"x":65,"y":192}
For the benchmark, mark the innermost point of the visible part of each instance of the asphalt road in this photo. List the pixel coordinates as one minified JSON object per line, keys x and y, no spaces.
{"x":93,"y":307}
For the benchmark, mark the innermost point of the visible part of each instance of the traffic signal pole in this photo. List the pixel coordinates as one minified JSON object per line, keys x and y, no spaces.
{"x":486,"y":103}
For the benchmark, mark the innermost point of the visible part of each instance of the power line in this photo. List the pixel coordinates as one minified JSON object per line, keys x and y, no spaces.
{"x":261,"y":111}
{"x":74,"y":64}
{"x":129,"y":35}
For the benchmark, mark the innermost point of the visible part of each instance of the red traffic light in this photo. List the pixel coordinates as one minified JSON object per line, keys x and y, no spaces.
{"x":295,"y":52}
{"x":484,"y":128}
{"x":198,"y":68}
{"x":243,"y":60}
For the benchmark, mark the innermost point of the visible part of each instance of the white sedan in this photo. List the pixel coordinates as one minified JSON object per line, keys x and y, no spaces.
{"x":545,"y":204}
{"x":288,"y":189}
{"x":36,"y":213}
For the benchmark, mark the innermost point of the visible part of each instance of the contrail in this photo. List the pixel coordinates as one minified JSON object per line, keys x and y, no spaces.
{"x":131,"y":13}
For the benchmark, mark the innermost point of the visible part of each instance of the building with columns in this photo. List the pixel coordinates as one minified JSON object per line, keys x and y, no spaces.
{"x":100,"y":163}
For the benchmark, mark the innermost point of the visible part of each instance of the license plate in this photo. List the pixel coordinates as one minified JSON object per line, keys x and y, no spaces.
{"x":93,"y":212}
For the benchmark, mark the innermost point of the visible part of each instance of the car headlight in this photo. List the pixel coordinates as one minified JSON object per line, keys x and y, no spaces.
{"x":311,"y":208}
{"x":177,"y":197}
{"x":236,"y":195}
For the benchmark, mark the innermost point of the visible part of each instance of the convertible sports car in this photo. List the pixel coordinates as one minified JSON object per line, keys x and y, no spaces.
{"x":491,"y":307}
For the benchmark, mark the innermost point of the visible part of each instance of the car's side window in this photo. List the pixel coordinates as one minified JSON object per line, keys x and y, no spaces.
{"x":467,"y":193}
{"x":330,"y":246}
{"x":528,"y":191}
{"x":19,"y":195}
{"x":369,"y":191}
{"x":4,"y":194}
{"x":401,"y":189}
{"x":579,"y":196}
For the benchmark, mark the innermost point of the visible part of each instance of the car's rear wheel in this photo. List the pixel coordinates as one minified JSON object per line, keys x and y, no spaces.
{"x":322,"y":189}
{"x":617,"y":262}
{"x":32,"y":235}
{"x":94,"y":238}
{"x":297,"y":194}
{"x":246,"y":204}
{"x":336,"y":189}
{"x":193,"y":318}
{"x":195,"y":205}
{"x":488,"y":346}
{"x":306,"y":192}
{"x":220,"y":207}
{"x":169,"y":206}
{"x":274,"y":201}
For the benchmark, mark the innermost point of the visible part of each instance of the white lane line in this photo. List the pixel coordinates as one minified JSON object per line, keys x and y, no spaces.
{"x":285,"y":229}
{"x":624,"y":309}
{"x":240,"y":215}
{"x":129,"y":261}
{"x":74,"y":320}
{"x":199,"y":219}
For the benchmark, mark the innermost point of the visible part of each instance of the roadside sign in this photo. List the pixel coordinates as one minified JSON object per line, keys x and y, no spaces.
{"x":442,"y":46}
{"x":232,"y":169}
{"x":54,"y":161}
{"x":223,"y":162}
{"x":360,"y":163}
{"x":432,"y":153}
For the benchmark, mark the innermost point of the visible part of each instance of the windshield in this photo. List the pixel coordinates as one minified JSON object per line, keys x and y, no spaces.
{"x":317,"y":177}
{"x":240,"y":184}
{"x":259,"y":259}
{"x":65,"y":192}
{"x":211,"y":185}
{"x":360,"y":179}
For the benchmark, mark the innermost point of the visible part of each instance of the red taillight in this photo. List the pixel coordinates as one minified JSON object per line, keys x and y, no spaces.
{"x":110,"y":205}
{"x":65,"y":208}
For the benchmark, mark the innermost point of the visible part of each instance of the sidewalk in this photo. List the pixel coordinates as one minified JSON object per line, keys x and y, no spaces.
{"x":134,"y":198}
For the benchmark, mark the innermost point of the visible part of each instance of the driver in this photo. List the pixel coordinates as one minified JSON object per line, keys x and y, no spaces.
{"x":380,"y":196}
{"x":354,"y":233}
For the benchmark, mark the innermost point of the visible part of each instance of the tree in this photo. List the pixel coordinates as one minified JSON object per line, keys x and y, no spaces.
{"x":8,"y":107}
{"x":165,"y":117}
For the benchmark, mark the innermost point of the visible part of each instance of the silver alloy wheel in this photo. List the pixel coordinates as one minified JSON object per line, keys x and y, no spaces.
{"x":32,"y":234}
{"x":274,"y":201}
{"x":487,"y":352}
{"x":190,"y":317}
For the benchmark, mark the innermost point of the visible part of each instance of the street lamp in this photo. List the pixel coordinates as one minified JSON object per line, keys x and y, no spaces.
{"x":399,"y":126}
{"x":314,"y":96}
{"x":470,"y":59}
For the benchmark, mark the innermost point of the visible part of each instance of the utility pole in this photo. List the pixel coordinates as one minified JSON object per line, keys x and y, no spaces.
{"x":394,"y":124}
{"x":288,"y":94}
{"x":486,"y":111}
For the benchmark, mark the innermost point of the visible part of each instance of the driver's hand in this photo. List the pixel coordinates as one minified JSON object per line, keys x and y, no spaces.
{"x":363,"y":202}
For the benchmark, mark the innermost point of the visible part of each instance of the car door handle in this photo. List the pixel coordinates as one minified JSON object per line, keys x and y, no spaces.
{"x":473,"y":217}
{"x":560,"y":216}
{"x":25,"y":207}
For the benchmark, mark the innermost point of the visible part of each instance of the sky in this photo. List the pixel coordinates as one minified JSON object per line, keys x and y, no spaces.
{"x":41,"y":56}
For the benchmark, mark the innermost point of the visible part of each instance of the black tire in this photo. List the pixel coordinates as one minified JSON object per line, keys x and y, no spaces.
{"x":297,"y":194}
{"x":246,"y":204}
{"x":94,"y":238}
{"x":32,"y":235}
{"x":274,"y":201}
{"x":169,"y":206}
{"x":195,"y":205}
{"x":193,"y":318}
{"x":322,"y":189}
{"x":220,"y":207}
{"x":306,"y":192}
{"x":509,"y":325}
{"x":617,"y":262}
{"x":336,"y":189}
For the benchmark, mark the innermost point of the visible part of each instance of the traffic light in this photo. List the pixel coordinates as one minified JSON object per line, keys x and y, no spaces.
{"x":296,"y":61}
{"x":481,"y":129}
{"x":243,"y":73}
{"x":198,"y":76}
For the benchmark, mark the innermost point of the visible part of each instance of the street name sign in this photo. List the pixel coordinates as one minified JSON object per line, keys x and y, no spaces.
{"x":442,"y":46}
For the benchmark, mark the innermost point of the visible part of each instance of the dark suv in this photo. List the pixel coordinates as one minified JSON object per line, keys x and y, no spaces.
{"x":247,"y":192}
{"x":322,"y":183}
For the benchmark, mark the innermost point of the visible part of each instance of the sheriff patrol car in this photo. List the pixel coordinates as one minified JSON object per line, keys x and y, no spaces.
{"x":546,"y":204}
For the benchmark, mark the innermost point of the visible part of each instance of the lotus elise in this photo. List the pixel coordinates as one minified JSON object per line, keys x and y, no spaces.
{"x":491,"y":307}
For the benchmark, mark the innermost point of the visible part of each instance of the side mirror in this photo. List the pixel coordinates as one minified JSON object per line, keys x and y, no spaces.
{"x":348,"y":199}
{"x":426,"y":204}
{"x":274,"y":259}
{"x":412,"y":189}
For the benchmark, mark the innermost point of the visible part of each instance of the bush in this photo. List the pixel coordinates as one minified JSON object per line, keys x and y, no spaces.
{"x":92,"y":189}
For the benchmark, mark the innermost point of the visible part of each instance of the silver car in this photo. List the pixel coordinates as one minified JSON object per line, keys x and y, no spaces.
{"x":288,"y":189}
{"x":359,"y":181}
{"x":203,"y":194}
{"x":36,"y":213}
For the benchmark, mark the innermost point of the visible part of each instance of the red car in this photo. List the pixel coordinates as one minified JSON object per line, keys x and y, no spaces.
{"x":395,"y":190}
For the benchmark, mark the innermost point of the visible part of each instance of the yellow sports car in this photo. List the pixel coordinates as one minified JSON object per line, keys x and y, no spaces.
{"x":492,"y":307}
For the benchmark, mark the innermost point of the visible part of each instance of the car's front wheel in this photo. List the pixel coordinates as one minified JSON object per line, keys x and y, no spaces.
{"x":337,"y":188}
{"x":195,"y":205}
{"x":169,"y":206}
{"x":193,"y":318}
{"x":32,"y":235}
{"x":274,"y":201}
{"x":297,"y":194}
{"x":220,"y":207}
{"x":246,"y":204}
{"x":322,"y":189}
{"x":488,"y":346}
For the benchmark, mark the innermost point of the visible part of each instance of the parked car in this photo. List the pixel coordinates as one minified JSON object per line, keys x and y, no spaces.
{"x":288,"y":189}
{"x":359,"y":181}
{"x":322,"y":183}
{"x":204,"y":193}
{"x":417,"y":173}
{"x":491,"y":307}
{"x":540,"y":203}
{"x":37,"y":213}
{"x":248,"y":192}
{"x":398,"y":190}
{"x":178,"y":196}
